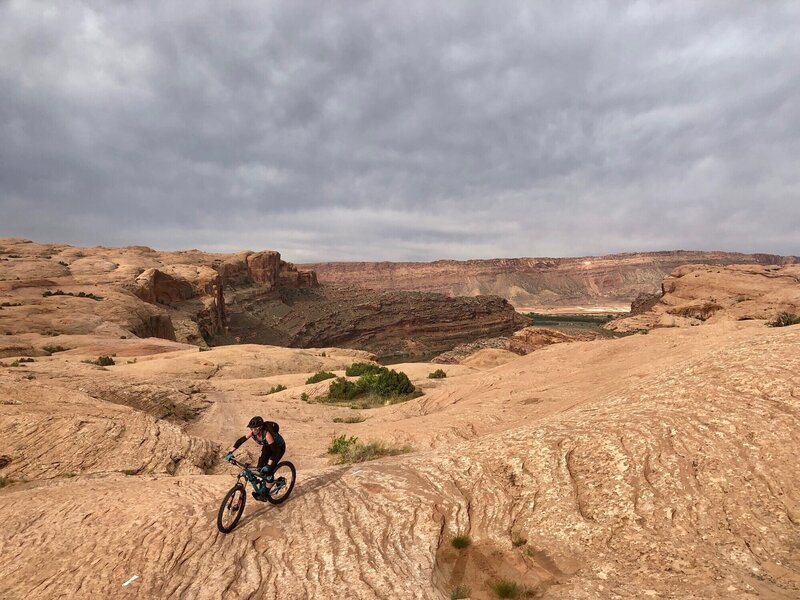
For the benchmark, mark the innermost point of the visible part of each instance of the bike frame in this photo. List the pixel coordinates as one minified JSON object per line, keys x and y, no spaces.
{"x":248,"y":475}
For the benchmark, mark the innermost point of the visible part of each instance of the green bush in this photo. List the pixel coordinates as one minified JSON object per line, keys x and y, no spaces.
{"x":102,"y":361}
{"x":54,"y":349}
{"x":10,"y":304}
{"x":358,"y":369}
{"x":340,"y":444}
{"x":437,"y":374}
{"x":62,"y":263}
{"x":48,"y":293}
{"x":460,"y":592}
{"x":506,"y":589}
{"x":392,"y":382}
{"x":460,"y":541}
{"x":4,"y":481}
{"x":342,"y":389}
{"x":784,"y":319}
{"x":304,"y":397}
{"x":277,"y":388}
{"x":320,"y":376}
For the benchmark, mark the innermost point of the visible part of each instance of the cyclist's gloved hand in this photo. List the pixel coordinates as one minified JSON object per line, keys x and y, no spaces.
{"x":229,"y":456}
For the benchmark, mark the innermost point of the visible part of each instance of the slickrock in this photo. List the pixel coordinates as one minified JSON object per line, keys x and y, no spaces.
{"x":693,"y":294}
{"x":673,"y":475}
{"x":535,"y":282}
{"x":48,"y":432}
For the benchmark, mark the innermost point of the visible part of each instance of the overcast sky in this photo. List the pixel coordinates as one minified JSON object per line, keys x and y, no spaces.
{"x":402,"y":130}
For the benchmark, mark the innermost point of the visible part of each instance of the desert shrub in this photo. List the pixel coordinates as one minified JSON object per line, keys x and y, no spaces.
{"x":50,"y":333}
{"x":437,"y":374}
{"x":342,"y":389}
{"x":460,"y":592}
{"x":62,"y":263}
{"x":320,"y":376}
{"x":10,"y":304}
{"x":358,"y":369}
{"x":341,"y":444}
{"x":54,"y":349}
{"x":48,"y":293}
{"x":460,"y":541}
{"x":129,"y":472}
{"x":784,"y":319}
{"x":102,"y":361}
{"x":351,"y":419}
{"x":26,"y":360}
{"x":352,"y":450}
{"x":392,"y":382}
{"x":4,"y":481}
{"x":506,"y":589}
{"x":304,"y":397}
{"x":277,"y":388}
{"x":518,"y":541}
{"x":203,"y":349}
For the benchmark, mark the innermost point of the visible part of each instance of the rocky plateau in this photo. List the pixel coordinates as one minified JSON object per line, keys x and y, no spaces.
{"x":645,"y":466}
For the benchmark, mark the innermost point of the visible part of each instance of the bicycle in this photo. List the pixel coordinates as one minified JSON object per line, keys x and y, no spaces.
{"x":232,"y":507}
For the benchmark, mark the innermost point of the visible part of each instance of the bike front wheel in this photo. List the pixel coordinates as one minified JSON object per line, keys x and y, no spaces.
{"x":284,"y":477}
{"x":231,"y":509}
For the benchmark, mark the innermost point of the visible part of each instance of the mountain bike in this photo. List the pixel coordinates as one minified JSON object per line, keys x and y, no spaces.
{"x":232,"y":507}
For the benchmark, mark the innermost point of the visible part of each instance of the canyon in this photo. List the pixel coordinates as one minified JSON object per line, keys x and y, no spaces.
{"x":599,"y":283}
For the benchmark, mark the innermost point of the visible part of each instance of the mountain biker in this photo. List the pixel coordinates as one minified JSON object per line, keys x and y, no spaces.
{"x":265,"y":434}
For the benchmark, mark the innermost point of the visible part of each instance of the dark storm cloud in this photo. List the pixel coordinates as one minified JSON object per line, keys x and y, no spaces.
{"x":395,"y":131}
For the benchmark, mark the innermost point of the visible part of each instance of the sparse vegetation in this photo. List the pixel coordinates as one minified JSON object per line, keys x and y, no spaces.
{"x":460,"y":592}
{"x":506,"y":589}
{"x":518,"y":541}
{"x":437,"y":374}
{"x":91,"y":296}
{"x":203,"y":349}
{"x":275,"y":389}
{"x":352,"y":419}
{"x":70,"y":475}
{"x":304,"y":397}
{"x":129,"y":472}
{"x":54,"y":349}
{"x":359,"y":369}
{"x":10,"y":304}
{"x":4,"y":481}
{"x":50,"y":333}
{"x":460,"y":542}
{"x":102,"y":361}
{"x":379,"y":387}
{"x":784,"y":319}
{"x":62,"y":263}
{"x":320,"y":376}
{"x":353,"y":450}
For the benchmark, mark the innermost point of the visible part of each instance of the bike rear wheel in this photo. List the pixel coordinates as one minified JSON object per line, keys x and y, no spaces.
{"x":284,"y":476}
{"x":231,"y":509}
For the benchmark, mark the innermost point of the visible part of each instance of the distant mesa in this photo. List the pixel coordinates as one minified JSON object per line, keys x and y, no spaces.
{"x":536,"y":282}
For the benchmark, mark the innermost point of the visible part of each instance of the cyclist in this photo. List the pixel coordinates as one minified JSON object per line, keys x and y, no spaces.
{"x":266,"y":434}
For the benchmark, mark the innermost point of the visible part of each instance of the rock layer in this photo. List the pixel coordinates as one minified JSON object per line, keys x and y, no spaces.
{"x":532,"y":282}
{"x":694,"y":294}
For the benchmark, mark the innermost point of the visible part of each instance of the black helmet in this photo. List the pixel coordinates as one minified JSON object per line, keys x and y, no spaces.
{"x":256,"y":422}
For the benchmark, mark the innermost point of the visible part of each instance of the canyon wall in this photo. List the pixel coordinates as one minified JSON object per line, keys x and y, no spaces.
{"x":532,"y":282}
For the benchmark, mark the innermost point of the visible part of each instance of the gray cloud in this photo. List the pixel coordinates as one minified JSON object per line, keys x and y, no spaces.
{"x":380,"y":131}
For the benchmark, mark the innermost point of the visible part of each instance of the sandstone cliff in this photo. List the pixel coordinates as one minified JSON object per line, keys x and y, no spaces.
{"x":129,"y":291}
{"x":694,"y":294}
{"x":389,"y":324}
{"x":532,"y":282}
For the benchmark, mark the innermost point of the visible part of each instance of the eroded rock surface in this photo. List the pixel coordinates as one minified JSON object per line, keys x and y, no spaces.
{"x":694,"y":294}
